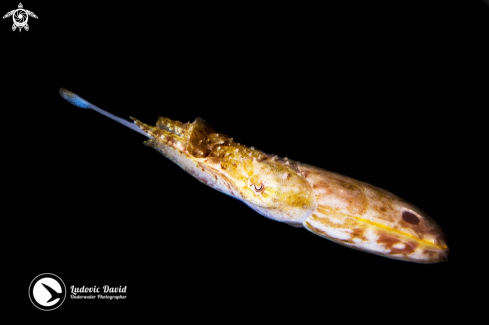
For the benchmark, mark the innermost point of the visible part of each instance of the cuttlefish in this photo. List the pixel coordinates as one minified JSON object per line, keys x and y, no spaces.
{"x":336,"y":207}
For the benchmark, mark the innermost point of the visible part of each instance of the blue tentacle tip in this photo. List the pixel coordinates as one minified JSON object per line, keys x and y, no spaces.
{"x":73,"y":98}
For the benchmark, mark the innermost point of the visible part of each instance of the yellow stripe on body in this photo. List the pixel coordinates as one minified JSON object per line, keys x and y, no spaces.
{"x":382,"y":226}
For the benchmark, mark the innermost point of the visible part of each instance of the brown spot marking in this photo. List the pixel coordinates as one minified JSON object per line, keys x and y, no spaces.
{"x":358,"y":233}
{"x":345,"y":184}
{"x":407,"y":250}
{"x":323,"y":185}
{"x":410,"y":217}
{"x":389,"y":241}
{"x":383,"y":206}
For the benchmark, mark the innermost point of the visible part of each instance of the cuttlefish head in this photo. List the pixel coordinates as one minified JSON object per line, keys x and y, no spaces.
{"x":271,"y":186}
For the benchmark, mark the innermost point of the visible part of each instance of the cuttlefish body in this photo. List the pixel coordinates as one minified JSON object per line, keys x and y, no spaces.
{"x":333,"y":206}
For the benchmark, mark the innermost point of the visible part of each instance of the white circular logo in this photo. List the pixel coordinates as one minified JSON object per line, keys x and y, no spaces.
{"x":47,"y":291}
{"x":20,"y":17}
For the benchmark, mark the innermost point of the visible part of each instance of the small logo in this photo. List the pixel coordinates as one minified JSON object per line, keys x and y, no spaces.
{"x":47,"y":291}
{"x":20,"y":17}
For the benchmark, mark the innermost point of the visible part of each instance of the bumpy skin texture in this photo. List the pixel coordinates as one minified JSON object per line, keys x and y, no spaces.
{"x":333,"y":206}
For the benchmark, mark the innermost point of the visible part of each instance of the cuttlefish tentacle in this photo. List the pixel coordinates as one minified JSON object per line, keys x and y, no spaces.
{"x":336,"y":207}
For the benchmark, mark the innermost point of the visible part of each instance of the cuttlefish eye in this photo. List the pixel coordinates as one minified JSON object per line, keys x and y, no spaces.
{"x":258,"y":188}
{"x":256,"y":184}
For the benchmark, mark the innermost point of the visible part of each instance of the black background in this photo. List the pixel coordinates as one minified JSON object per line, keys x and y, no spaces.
{"x":374,"y":90}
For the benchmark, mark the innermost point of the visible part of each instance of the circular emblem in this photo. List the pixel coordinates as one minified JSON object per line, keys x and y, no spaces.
{"x":47,"y":291}
{"x":20,"y":17}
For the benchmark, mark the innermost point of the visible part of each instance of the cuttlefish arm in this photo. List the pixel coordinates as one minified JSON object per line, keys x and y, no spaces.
{"x":336,"y":207}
